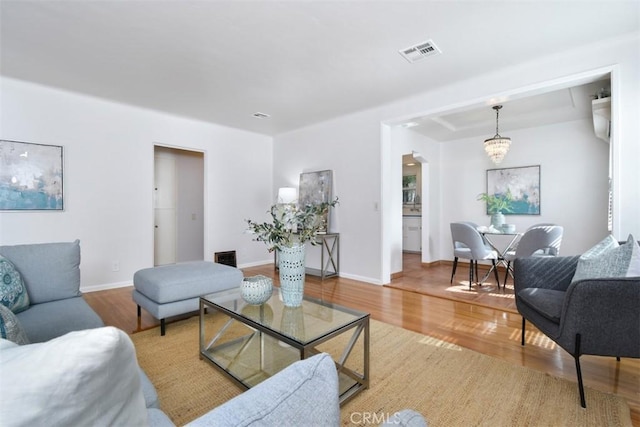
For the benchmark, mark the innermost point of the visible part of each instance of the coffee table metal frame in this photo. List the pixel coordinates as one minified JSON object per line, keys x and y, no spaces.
{"x":228,"y":302}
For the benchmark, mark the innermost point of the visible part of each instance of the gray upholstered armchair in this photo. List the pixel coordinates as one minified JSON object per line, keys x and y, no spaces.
{"x":593,"y":316}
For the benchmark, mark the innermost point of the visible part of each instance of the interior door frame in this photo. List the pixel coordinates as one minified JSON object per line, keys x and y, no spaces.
{"x":205,"y":186}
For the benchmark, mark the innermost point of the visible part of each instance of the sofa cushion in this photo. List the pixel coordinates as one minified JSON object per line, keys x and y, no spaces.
{"x":43,"y":322}
{"x":10,"y":327}
{"x":608,"y":260}
{"x":50,"y":271}
{"x":304,"y":393}
{"x":13,"y":292}
{"x":547,"y":302}
{"x":5,"y":344}
{"x":87,"y":378}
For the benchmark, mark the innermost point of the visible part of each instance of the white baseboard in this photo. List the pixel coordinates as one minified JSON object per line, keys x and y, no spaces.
{"x":256,"y":264}
{"x":361,"y":279}
{"x":105,"y":286}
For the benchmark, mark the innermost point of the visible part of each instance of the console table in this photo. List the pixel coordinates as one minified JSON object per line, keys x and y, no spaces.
{"x":329,"y":256}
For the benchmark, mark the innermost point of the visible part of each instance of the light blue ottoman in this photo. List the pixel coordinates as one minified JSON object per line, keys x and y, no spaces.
{"x":170,"y":290}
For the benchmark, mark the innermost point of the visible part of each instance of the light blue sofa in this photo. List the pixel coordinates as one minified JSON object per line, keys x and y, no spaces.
{"x":70,"y":345}
{"x":51,"y":274}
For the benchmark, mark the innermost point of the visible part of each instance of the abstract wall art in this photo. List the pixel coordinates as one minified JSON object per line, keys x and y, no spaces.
{"x":524,"y":185}
{"x":30,"y":176}
{"x":316,"y":188}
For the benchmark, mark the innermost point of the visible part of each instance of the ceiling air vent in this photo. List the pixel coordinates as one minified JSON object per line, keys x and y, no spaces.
{"x":420,"y":51}
{"x":260,"y":115}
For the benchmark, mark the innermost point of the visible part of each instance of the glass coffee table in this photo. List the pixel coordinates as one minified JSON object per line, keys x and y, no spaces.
{"x":251,"y":343}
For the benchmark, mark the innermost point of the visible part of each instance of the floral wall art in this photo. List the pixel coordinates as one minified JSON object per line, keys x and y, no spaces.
{"x":30,"y":176}
{"x":524,"y":185}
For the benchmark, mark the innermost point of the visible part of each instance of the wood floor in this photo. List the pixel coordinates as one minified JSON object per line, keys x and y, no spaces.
{"x":490,"y":331}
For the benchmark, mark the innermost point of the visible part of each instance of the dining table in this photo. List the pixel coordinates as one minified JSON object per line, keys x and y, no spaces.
{"x":493,"y":237}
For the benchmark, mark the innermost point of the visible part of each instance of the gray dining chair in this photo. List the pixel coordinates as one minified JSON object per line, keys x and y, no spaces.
{"x":469,"y":244}
{"x":540,"y":240}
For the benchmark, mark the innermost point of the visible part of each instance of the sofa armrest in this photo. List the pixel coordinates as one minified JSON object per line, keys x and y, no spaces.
{"x":302,"y":394}
{"x":605,"y":313}
{"x":548,"y":273}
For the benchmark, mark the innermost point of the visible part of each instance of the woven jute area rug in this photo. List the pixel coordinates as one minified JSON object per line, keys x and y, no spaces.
{"x":449,"y":385}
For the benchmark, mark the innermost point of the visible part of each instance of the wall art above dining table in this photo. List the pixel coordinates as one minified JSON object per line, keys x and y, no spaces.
{"x":524,"y":185}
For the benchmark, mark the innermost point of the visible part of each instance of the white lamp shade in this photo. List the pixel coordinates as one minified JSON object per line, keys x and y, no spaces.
{"x":287,"y":195}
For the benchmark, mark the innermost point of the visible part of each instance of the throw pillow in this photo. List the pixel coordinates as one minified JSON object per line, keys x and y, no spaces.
{"x":4,"y":344}
{"x":609,"y":260}
{"x":83,"y":378}
{"x":13,"y":292}
{"x":10,"y":327}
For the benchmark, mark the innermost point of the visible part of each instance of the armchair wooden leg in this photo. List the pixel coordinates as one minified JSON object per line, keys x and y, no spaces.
{"x":453,"y":271}
{"x":470,"y":274}
{"x":576,"y":356}
{"x":523,"y":322}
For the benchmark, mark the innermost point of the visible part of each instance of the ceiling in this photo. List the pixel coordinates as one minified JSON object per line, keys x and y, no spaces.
{"x":301,"y":62}
{"x":557,"y":106}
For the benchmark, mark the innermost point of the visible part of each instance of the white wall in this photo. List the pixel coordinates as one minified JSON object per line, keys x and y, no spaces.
{"x":108,"y":178}
{"x":350,"y":147}
{"x":360,"y":150}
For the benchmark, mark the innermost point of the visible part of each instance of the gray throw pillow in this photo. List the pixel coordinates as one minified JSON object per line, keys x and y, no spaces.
{"x":10,"y":327}
{"x":609,"y":260}
{"x":13,"y":292}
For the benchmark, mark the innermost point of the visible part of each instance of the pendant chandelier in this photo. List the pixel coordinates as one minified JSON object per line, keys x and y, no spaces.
{"x":497,"y":146}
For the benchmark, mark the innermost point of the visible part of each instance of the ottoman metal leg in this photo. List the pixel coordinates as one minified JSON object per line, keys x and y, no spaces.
{"x":162,"y":323}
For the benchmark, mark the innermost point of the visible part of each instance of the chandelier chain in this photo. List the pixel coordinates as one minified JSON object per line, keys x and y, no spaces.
{"x":498,"y":146}
{"x":497,"y":108}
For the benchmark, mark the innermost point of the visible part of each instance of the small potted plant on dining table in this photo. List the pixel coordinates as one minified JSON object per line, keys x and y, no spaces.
{"x":497,"y":206}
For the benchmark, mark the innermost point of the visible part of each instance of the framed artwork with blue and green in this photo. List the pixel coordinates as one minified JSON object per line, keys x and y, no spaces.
{"x":30,"y":176}
{"x":521,"y":184}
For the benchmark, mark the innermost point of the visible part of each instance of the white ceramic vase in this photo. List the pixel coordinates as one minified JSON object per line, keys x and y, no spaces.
{"x":292,"y":273}
{"x":497,"y":219}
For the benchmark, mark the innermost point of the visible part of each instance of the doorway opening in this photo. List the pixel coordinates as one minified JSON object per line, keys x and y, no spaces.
{"x":178,"y":205}
{"x":411,"y":205}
